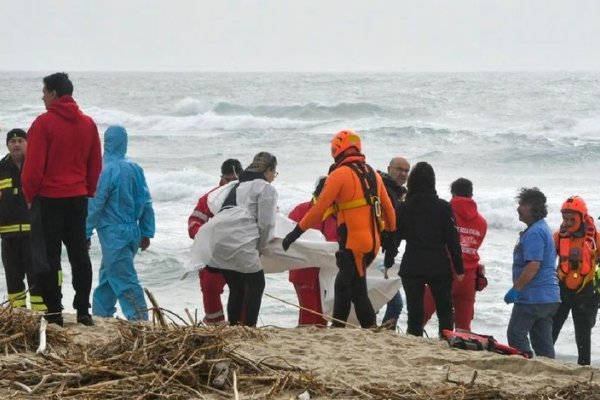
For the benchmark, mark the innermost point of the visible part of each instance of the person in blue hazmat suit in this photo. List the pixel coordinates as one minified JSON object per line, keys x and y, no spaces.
{"x":122,"y":214}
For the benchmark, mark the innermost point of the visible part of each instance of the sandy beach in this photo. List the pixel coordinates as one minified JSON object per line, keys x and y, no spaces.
{"x":360,"y":357}
{"x":343,"y":363}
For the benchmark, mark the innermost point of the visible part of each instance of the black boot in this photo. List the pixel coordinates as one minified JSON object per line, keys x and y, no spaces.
{"x":85,"y":319}
{"x":54,"y":318}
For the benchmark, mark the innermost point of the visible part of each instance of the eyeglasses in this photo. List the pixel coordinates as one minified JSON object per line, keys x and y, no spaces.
{"x":405,"y":170}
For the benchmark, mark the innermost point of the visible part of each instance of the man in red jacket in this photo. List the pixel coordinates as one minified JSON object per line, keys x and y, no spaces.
{"x":212,"y":281}
{"x":472,"y":228}
{"x":61,"y":171}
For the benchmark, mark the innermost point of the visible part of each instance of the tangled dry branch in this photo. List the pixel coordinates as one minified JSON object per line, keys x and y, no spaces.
{"x":146,"y":361}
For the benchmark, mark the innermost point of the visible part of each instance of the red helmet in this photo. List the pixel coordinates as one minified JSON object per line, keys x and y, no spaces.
{"x":343,"y":140}
{"x":575,"y":204}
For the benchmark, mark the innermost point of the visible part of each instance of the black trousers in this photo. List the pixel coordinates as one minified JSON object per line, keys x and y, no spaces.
{"x":584,"y":307}
{"x":16,"y":258}
{"x":55,"y":221}
{"x":441,"y":289}
{"x":350,"y":288}
{"x":245,"y":296}
{"x":355,"y":293}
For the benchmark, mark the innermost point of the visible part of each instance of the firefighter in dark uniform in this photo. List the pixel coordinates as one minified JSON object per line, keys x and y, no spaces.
{"x":14,"y":226}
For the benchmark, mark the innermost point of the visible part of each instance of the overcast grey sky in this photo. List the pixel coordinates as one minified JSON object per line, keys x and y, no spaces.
{"x":300,"y":35}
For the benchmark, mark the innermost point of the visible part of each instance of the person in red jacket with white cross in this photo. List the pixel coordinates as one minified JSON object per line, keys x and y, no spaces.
{"x":472,"y":228}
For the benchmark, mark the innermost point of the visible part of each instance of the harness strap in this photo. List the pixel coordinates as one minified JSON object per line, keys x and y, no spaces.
{"x":368,"y":183}
{"x":336,"y":207}
{"x":230,"y":200}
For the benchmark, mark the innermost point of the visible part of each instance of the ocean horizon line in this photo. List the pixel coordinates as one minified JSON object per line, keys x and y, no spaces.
{"x":315,"y":72}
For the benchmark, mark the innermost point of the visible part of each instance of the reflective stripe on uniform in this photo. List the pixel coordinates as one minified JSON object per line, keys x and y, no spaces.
{"x":200,"y":214}
{"x":18,"y":299}
{"x":59,"y":277}
{"x":214,"y":317}
{"x":15,"y":228}
{"x":37,"y":303}
{"x":6,"y":183}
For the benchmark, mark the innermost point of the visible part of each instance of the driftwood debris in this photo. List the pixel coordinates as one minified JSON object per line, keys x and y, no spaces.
{"x":148,"y":361}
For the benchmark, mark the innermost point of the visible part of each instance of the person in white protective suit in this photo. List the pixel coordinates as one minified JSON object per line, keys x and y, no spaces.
{"x":233,"y":239}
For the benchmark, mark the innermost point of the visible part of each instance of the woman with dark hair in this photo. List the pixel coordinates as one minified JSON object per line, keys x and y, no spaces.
{"x":427,"y":224}
{"x":237,"y":233}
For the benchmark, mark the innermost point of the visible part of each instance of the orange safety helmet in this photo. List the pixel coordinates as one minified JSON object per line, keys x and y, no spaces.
{"x":343,"y":140}
{"x":575,"y":204}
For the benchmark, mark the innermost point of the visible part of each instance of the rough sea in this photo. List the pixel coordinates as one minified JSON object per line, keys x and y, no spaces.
{"x":503,"y":131}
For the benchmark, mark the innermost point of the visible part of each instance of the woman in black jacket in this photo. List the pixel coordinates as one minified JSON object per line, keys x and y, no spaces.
{"x":427,"y":224}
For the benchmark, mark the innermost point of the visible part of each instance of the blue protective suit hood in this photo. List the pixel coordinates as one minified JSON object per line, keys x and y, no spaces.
{"x":122,"y":214}
{"x":115,"y":143}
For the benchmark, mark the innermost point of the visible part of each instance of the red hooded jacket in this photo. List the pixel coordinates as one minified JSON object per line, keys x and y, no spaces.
{"x":64,"y":157}
{"x":472,"y":228}
{"x":328,"y":227}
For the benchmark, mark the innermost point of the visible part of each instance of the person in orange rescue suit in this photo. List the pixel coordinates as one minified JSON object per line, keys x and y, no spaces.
{"x":14,"y":226}
{"x":306,"y":280}
{"x":365,"y":218}
{"x":472,"y":228}
{"x":577,"y":246}
{"x":211,"y":279}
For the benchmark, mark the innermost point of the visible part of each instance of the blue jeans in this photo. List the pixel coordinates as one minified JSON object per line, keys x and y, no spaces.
{"x":532,"y":321}
{"x":393,"y":310}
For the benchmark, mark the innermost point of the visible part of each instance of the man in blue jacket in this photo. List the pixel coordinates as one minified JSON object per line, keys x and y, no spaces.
{"x":123,"y":216}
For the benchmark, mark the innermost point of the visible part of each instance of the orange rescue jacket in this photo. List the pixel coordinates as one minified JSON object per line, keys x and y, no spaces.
{"x":577,"y":256}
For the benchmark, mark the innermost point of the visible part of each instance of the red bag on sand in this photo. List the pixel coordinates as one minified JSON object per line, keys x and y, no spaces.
{"x":481,"y":281}
{"x":473,"y":341}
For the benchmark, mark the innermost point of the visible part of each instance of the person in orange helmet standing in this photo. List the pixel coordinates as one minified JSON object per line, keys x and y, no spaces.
{"x":577,"y":246}
{"x":366,"y":220}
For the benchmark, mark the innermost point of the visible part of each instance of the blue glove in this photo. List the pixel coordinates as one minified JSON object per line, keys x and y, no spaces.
{"x":511,"y":295}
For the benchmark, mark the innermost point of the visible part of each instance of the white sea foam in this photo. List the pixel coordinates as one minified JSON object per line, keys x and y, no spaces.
{"x":189,"y":106}
{"x":187,"y":122}
{"x":503,"y":131}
